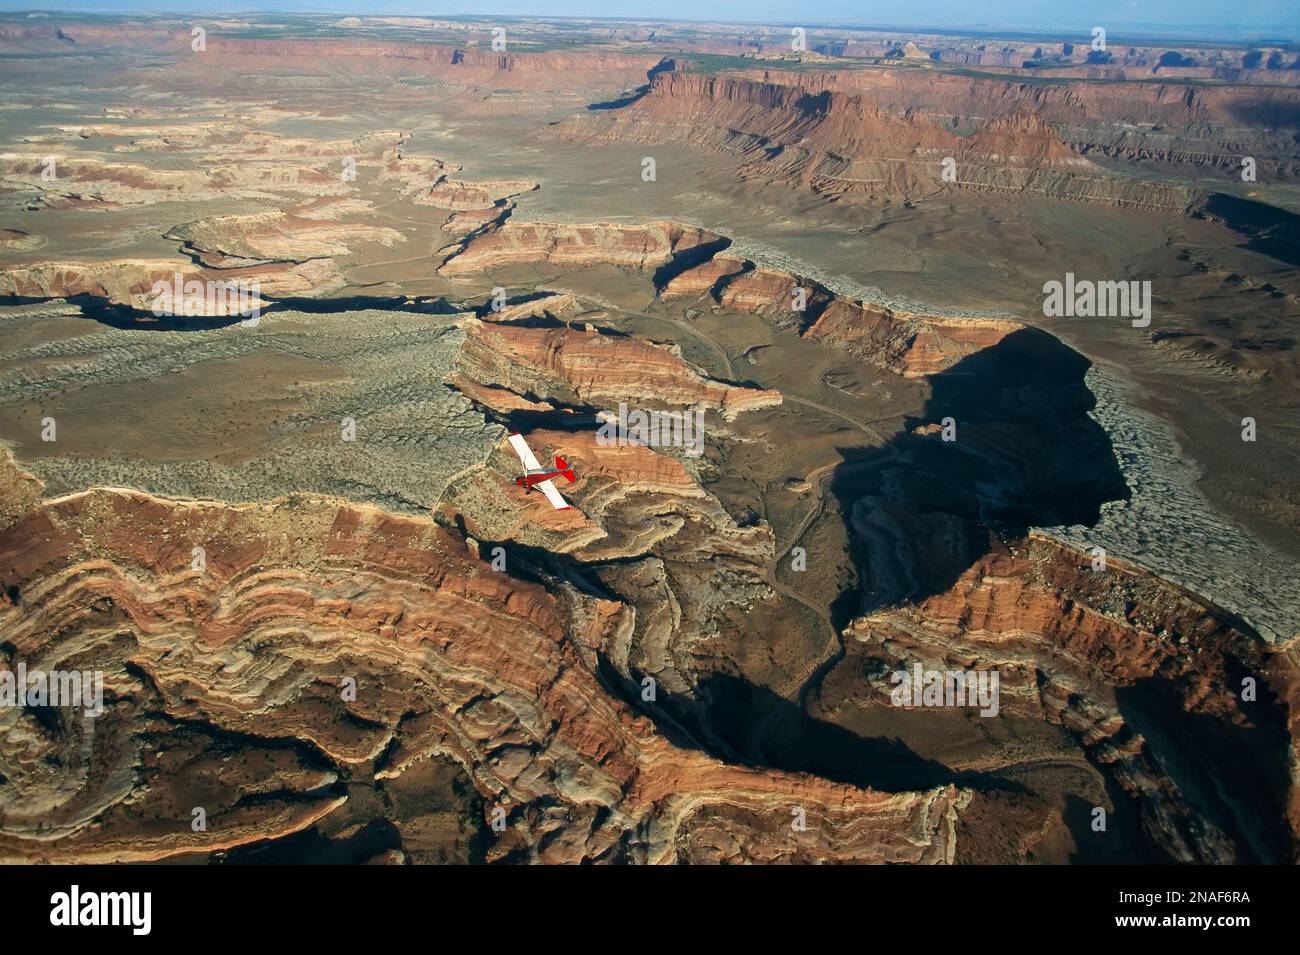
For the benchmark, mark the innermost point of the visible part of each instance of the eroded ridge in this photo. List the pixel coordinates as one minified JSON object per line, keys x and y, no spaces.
{"x":449,"y":659}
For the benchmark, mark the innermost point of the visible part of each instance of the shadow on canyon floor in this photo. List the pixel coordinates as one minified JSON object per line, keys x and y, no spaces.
{"x":1268,"y":230}
{"x":1026,"y":454}
{"x":100,"y":309}
{"x":801,"y":743}
{"x":666,"y":65}
{"x":1023,"y":453}
{"x":1235,"y":775}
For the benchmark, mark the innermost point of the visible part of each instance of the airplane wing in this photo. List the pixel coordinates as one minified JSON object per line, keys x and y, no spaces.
{"x":531,"y":463}
{"x":525,"y":453}
{"x":552,"y":495}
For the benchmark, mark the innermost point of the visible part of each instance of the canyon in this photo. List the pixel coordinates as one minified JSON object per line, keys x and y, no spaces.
{"x":333,"y":627}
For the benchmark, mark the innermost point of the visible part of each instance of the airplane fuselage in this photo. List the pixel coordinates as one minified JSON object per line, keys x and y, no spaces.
{"x":528,"y":481}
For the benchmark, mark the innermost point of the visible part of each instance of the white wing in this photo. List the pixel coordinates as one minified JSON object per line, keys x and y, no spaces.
{"x":531,"y":463}
{"x":552,"y":495}
{"x":525,"y":453}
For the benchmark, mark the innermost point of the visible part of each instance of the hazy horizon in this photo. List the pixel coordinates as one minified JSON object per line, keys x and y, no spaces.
{"x":1208,"y":19}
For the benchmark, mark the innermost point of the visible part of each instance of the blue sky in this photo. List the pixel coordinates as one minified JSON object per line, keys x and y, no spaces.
{"x":1226,"y":19}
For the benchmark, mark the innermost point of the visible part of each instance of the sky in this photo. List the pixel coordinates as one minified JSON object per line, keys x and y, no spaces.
{"x":1225,"y":19}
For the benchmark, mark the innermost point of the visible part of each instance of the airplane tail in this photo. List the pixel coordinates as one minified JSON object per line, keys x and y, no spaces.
{"x":562,"y":466}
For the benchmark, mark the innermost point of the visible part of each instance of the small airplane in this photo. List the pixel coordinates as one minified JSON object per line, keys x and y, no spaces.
{"x":536,"y":476}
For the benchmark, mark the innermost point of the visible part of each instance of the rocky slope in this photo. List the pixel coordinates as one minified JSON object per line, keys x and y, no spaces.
{"x":840,"y":143}
{"x":639,"y":247}
{"x":1180,"y":125}
{"x":552,"y":70}
{"x":689,"y":261}
{"x":907,"y":343}
{"x":131,"y":282}
{"x":92,"y":182}
{"x":267,"y":237}
{"x":60,"y":175}
{"x":253,"y":654}
{"x":573,"y":366}
{"x":1148,"y":678}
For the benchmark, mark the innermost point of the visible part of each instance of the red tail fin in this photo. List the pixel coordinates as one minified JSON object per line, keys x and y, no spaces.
{"x":562,"y":466}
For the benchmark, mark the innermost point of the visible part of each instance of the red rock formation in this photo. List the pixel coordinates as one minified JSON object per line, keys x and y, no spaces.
{"x":1146,"y":676}
{"x":462,"y":196}
{"x":870,"y":332}
{"x":817,"y":137}
{"x":912,"y":345}
{"x":554,"y":303}
{"x":1022,"y":137}
{"x":553,"y":70}
{"x":286,"y":254}
{"x":617,"y":488}
{"x":267,"y":237}
{"x":585,"y":368}
{"x":908,"y":343}
{"x":762,"y":289}
{"x":224,"y":681}
{"x":90,"y":182}
{"x":842,"y":143}
{"x":134,"y":282}
{"x":629,"y":246}
{"x":703,"y":278}
{"x":1201,"y":125}
{"x":461,"y":224}
{"x":495,"y":398}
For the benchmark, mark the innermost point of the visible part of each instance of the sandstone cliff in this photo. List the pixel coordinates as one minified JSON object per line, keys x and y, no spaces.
{"x":1148,"y":678}
{"x":574,"y":366}
{"x":629,"y":246}
{"x":907,"y":343}
{"x":1195,"y":125}
{"x":842,"y":143}
{"x":450,"y":661}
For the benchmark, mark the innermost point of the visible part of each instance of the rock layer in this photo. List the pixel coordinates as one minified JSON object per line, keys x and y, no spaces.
{"x":843,"y":144}
{"x":1148,"y":678}
{"x":575,"y":366}
{"x":907,"y":343}
{"x":450,"y":660}
{"x":635,"y":247}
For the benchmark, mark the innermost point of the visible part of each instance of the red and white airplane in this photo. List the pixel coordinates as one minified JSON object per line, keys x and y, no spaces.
{"x":536,"y":476}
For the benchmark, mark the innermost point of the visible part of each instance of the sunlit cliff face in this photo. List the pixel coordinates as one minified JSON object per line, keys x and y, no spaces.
{"x":780,"y":312}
